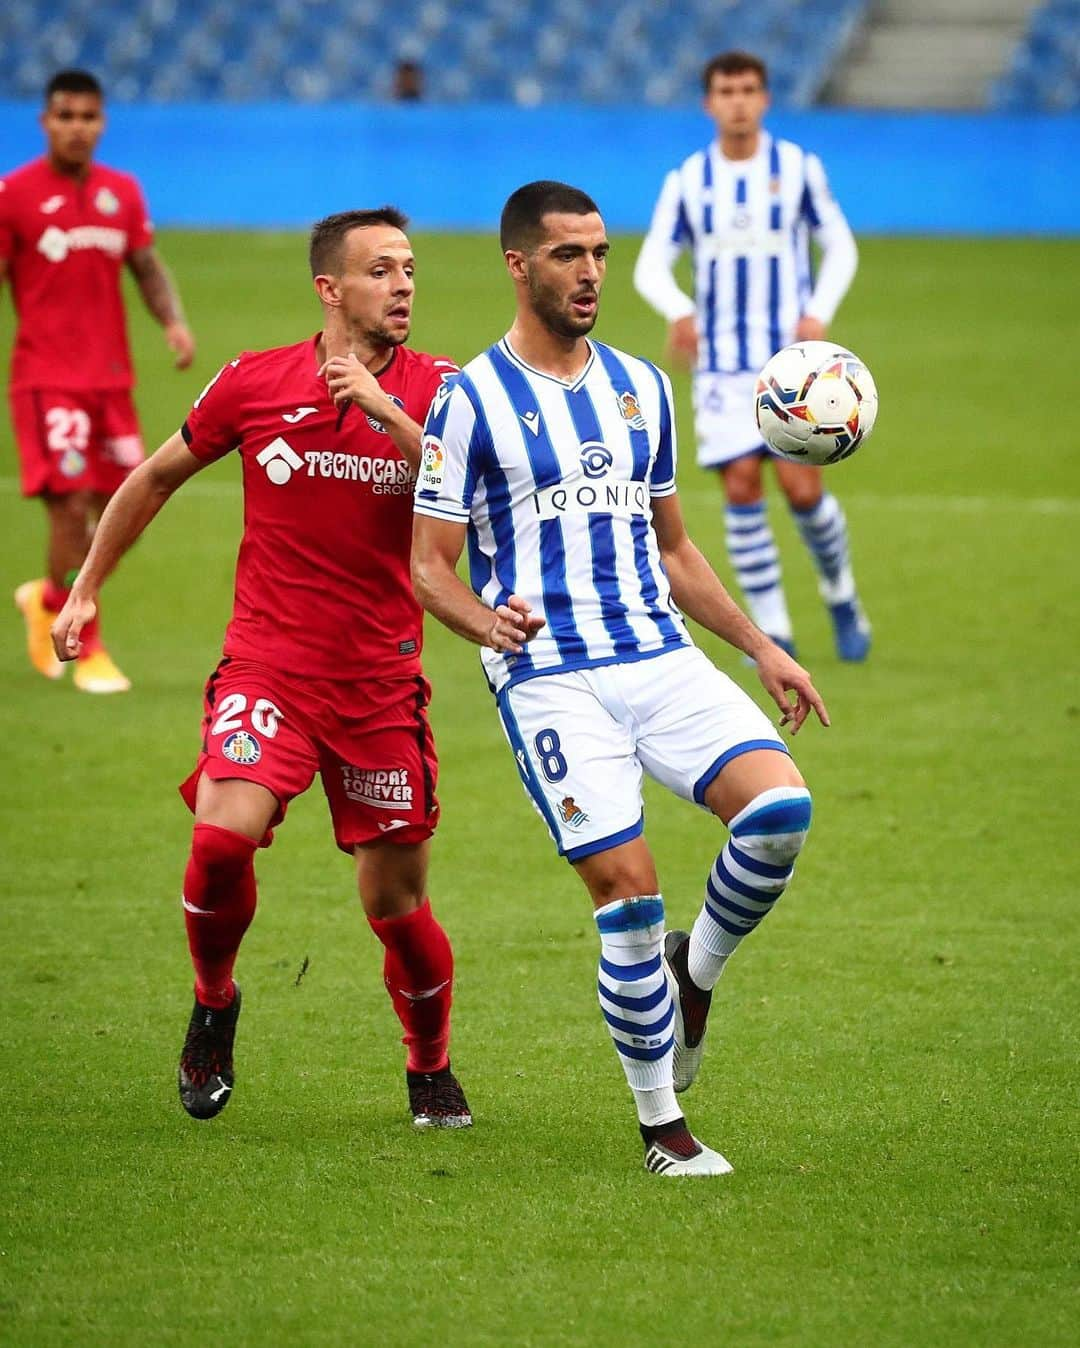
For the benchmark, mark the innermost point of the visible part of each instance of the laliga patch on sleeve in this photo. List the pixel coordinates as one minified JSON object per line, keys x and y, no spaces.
{"x":432,"y":461}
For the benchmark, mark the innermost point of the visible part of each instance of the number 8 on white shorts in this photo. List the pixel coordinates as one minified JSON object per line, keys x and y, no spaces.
{"x":583,"y":738}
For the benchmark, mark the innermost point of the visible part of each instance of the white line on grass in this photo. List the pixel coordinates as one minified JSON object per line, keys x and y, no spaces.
{"x":962,"y":505}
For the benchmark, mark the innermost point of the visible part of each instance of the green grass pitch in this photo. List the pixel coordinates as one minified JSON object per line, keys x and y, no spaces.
{"x":892,"y":1064}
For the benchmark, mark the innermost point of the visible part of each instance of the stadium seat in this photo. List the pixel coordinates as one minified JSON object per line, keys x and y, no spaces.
{"x":1044,"y":73}
{"x":529,"y":51}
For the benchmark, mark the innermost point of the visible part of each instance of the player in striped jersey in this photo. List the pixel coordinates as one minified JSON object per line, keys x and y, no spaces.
{"x":747,"y":207}
{"x":554,"y":456}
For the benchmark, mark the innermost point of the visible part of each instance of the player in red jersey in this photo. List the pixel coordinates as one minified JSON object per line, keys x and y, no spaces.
{"x":68,"y":226}
{"x":321,"y":671}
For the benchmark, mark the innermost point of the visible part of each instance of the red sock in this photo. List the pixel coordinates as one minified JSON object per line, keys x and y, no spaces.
{"x":418,"y":970}
{"x":54,"y":596}
{"x":219,"y":903}
{"x":53,"y":599}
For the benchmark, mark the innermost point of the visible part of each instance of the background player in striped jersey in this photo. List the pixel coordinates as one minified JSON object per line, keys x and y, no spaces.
{"x":68,"y":227}
{"x":747,"y":207}
{"x":322,"y":656}
{"x":555,"y":457}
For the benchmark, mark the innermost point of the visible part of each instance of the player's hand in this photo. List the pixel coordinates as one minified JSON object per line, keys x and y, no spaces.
{"x":349,"y":380}
{"x":181,"y":343}
{"x":781,"y":676}
{"x":514,"y":625}
{"x":70,"y":621}
{"x":683,"y":340}
{"x":809,"y":329}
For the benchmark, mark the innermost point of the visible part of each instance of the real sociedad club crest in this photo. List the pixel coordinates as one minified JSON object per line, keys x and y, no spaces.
{"x":242,"y":747}
{"x":377,"y":426}
{"x":572,"y":813}
{"x":631,"y":411}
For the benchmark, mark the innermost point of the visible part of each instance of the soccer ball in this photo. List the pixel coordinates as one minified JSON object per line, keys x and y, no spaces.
{"x":815,"y":402}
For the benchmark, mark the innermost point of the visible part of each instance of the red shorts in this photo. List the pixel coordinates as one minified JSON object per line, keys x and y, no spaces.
{"x":371,"y":744}
{"x":75,"y":441}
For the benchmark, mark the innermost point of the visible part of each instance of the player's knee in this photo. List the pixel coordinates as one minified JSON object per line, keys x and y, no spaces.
{"x":742,"y":482}
{"x":619,"y":874}
{"x":221,"y":854}
{"x":773,"y":827}
{"x":391,"y":880}
{"x":803,"y":496}
{"x":68,"y":510}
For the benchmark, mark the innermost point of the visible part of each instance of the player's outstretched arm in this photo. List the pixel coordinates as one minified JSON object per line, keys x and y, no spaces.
{"x":699,"y":592}
{"x":126,"y":516}
{"x":162,"y":298}
{"x":440,"y":590}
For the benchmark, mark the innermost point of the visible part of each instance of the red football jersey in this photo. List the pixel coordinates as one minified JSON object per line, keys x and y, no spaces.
{"x":66,"y":241}
{"x":322,"y":579}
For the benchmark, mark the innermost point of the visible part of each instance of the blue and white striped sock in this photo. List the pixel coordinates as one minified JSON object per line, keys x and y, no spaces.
{"x":748,"y":877}
{"x":636,"y":1001}
{"x":824,"y":531}
{"x":755,"y":560}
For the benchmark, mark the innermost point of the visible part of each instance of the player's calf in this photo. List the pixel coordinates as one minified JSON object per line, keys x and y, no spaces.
{"x":418,"y":970}
{"x":751,"y":872}
{"x":219,"y":902}
{"x":636,"y":1001}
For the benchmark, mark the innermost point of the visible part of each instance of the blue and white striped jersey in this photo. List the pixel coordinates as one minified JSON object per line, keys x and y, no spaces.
{"x":555,"y":481}
{"x":748,"y":223}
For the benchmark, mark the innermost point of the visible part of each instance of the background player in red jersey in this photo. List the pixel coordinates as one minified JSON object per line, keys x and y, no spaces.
{"x":322,"y":656}
{"x":67,"y":228}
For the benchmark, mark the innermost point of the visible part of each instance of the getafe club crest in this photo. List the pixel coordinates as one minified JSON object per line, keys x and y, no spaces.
{"x":107,"y":202}
{"x":631,"y":411}
{"x":72,"y":463}
{"x":242,"y":747}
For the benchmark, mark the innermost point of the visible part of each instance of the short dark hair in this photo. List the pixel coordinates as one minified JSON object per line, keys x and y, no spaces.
{"x":327,"y":246}
{"x":74,"y":82}
{"x":521,"y":225}
{"x":734,"y":63}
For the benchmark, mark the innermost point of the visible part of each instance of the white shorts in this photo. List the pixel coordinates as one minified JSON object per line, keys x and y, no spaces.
{"x":582,"y":738}
{"x":724,"y":418}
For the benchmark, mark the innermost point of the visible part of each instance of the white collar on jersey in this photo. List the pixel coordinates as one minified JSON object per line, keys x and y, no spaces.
{"x":579,"y":378}
{"x":763,"y":145}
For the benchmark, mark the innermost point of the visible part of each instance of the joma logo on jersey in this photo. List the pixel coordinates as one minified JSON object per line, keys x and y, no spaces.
{"x":623,"y":499}
{"x":383,"y":788}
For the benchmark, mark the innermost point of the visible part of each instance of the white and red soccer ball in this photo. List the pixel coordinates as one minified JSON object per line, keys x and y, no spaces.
{"x":815,"y":402}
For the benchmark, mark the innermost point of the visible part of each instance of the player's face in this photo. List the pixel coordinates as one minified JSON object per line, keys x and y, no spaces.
{"x":566,"y":271}
{"x":376,"y":284}
{"x":73,"y":124}
{"x":737,"y":103}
